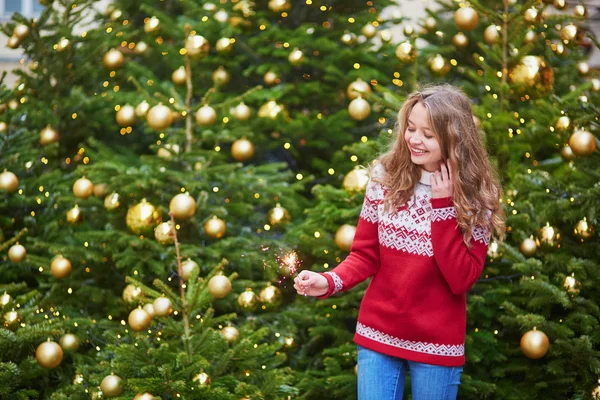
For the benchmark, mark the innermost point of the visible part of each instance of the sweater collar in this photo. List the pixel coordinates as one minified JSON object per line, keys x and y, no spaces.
{"x":425,"y":177}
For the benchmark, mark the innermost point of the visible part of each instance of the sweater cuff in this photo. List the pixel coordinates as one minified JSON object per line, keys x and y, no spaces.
{"x":442,"y":202}
{"x":331,"y":286}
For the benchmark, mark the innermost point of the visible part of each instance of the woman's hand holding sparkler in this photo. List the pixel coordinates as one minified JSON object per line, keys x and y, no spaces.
{"x":310,"y":283}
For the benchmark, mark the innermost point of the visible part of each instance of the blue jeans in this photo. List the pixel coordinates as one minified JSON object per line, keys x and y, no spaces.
{"x":381,"y":377}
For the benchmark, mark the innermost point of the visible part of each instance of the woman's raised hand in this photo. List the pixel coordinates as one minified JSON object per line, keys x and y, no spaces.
{"x":310,"y":283}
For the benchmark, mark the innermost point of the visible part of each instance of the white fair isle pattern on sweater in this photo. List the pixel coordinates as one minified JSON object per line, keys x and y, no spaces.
{"x":336,"y":281}
{"x":442,"y":214}
{"x":481,"y":235}
{"x":419,"y":347}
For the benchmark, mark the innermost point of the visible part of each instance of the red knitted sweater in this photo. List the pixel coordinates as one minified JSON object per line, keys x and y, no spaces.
{"x":415,"y":305}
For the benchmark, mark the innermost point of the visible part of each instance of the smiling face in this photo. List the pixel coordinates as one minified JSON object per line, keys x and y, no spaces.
{"x":424,"y":147}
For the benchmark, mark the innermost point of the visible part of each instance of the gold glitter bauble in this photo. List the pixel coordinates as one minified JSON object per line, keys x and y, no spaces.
{"x":5,"y":299}
{"x":242,"y":150}
{"x":49,"y":354}
{"x":385,"y":35}
{"x":270,"y":78}
{"x":179,"y":76}
{"x":279,"y":5}
{"x":241,"y":112}
{"x":112,"y":202}
{"x":113,"y":59}
{"x":460,"y":40}
{"x":369,"y":31}
{"x":359,"y":109}
{"x":270,"y":297}
{"x":142,"y":109}
{"x":219,"y":286}
{"x":531,"y":15}
{"x":224,"y":45}
{"x":149,"y":308}
{"x":278,"y":216}
{"x":168,"y":150}
{"x":221,"y":16}
{"x":78,"y":379}
{"x":9,"y":181}
{"x":183,"y":206}
{"x":60,"y":267}
{"x":438,"y":65}
{"x":143,"y":396}
{"x":583,"y":68}
{"x":583,"y":229}
{"x":571,"y":284}
{"x":493,"y":251}
{"x":142,"y":218}
{"x":248,"y":300}
{"x":74,"y":215}
{"x":568,"y":32}
{"x":159,"y":117}
{"x":230,"y":334}
{"x":406,"y":52}
{"x":528,"y":247}
{"x":70,"y":342}
{"x":17,"y":253}
{"x":83,"y":188}
{"x":202,"y":378}
{"x":3,"y":127}
{"x":151,"y":24}
{"x":197,"y":46}
{"x":549,"y":236}
{"x":356,"y":180}
{"x":563,"y":123}
{"x":139,"y":319}
{"x":189,"y":268}
{"x":579,"y":11}
{"x":595,"y":85}
{"x":11,"y":319}
{"x":162,"y":307}
{"x":48,"y":135}
{"x":560,"y":4}
{"x":296,"y":57}
{"x":21,"y":31}
{"x":221,"y":77}
{"x":491,"y":34}
{"x":582,"y":143}
{"x":358,"y":88}
{"x":530,"y":37}
{"x":535,"y":344}
{"x":348,"y":38}
{"x":13,"y":42}
{"x":206,"y":115}
{"x":112,"y":386}
{"x":132,"y":294}
{"x":163,"y":233}
{"x":140,"y":48}
{"x":532,"y":72}
{"x":271,"y":110}
{"x":101,"y":190}
{"x":344,"y":237}
{"x":567,"y":154}
{"x":466,"y":18}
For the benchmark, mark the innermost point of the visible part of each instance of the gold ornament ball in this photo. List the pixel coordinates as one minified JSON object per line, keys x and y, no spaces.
{"x":112,"y":386}
{"x":583,"y":229}
{"x":528,"y":247}
{"x":582,"y":143}
{"x":149,"y":308}
{"x":132,"y":294}
{"x":242,"y":150}
{"x":560,"y":4}
{"x":344,"y":237}
{"x":369,"y":31}
{"x":5,"y":299}
{"x":74,"y":215}
{"x":530,"y":37}
{"x":168,"y":150}
{"x":221,"y":77}
{"x":142,"y":109}
{"x":408,"y":30}
{"x":112,"y":202}
{"x":279,"y":5}
{"x":439,"y":65}
{"x":21,"y":31}
{"x":197,"y":46}
{"x":162,"y":307}
{"x":466,"y":18}
{"x":567,"y":154}
{"x":571,"y":284}
{"x":580,"y":11}
{"x":224,"y":45}
{"x":549,"y":236}
{"x":143,"y":396}
{"x":406,"y":52}
{"x":60,"y":267}
{"x":163,"y":233}
{"x":48,"y":135}
{"x":139,"y":319}
{"x":270,"y":297}
{"x":183,"y":206}
{"x":358,"y":88}
{"x":70,"y":342}
{"x":430,"y":23}
{"x":49,"y":354}
{"x":142,"y":218}
{"x":159,"y":117}
{"x":385,"y":35}
{"x":270,"y":78}
{"x":531,"y":15}
{"x":491,"y":34}
{"x":533,"y":72}
{"x":3,"y":127}
{"x":113,"y":59}
{"x":359,"y":109}
{"x":17,"y":253}
{"x":248,"y":300}
{"x":278,"y":216}
{"x":116,"y":15}
{"x":140,"y":48}
{"x":296,"y":57}
{"x":460,"y":40}
{"x":568,"y":32}
{"x":221,"y":16}
{"x":202,"y":378}
{"x":179,"y":76}
{"x":563,"y":123}
{"x":230,"y":333}
{"x":356,"y":180}
{"x":151,"y":24}
{"x":9,"y":181}
{"x":101,"y":190}
{"x":189,"y":268}
{"x":241,"y":112}
{"x":271,"y":110}
{"x":535,"y":344}
{"x":583,"y":68}
{"x":83,"y":188}
{"x":596,"y":85}
{"x":206,"y":115}
{"x":493,"y":251}
{"x":11,"y":319}
{"x":348,"y":38}
{"x":13,"y":42}
{"x":219,"y":286}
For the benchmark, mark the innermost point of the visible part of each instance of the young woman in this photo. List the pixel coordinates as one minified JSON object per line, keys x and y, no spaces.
{"x":430,"y":209}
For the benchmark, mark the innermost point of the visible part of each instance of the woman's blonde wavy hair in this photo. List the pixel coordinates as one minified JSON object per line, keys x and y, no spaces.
{"x":476,"y":188}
